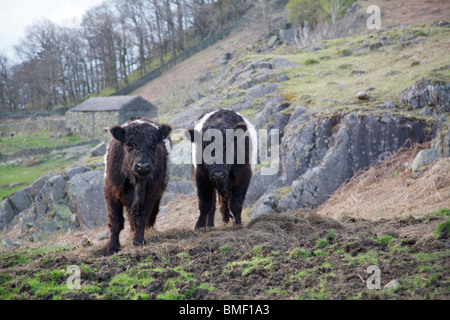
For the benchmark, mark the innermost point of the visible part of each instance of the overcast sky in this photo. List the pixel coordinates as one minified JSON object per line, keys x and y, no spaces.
{"x":16,"y":15}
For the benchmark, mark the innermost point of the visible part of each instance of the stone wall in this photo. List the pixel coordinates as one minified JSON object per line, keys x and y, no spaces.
{"x":92,"y":124}
{"x":139,"y":108}
{"x":18,"y":127}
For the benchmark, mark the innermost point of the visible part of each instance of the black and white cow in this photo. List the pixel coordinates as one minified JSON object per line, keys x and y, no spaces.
{"x":229,"y":170}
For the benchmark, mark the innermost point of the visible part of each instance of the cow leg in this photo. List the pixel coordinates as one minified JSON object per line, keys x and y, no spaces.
{"x":206,"y":202}
{"x":140,"y":222}
{"x":236,"y":204}
{"x":152,"y":218}
{"x":224,"y":209}
{"x":115,"y":224}
{"x":212,"y":212}
{"x":237,"y":199}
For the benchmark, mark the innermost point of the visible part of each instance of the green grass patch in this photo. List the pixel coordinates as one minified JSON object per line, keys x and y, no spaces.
{"x":321,"y":243}
{"x":14,"y":177}
{"x":223,"y":249}
{"x":37,"y":139}
{"x":443,"y":227}
{"x":247,"y":266}
{"x":445,"y":212}
{"x":384,"y":240}
{"x":300,"y":253}
{"x":308,"y":62}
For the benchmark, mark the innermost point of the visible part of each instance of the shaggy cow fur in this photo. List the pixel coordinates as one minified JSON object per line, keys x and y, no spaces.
{"x":229,"y":180}
{"x":136,"y":175}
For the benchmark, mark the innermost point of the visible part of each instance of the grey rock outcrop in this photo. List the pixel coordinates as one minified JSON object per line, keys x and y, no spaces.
{"x":176,"y":187}
{"x":85,"y":192}
{"x":45,"y":207}
{"x":318,"y":153}
{"x":427,"y":92}
{"x":7,"y":212}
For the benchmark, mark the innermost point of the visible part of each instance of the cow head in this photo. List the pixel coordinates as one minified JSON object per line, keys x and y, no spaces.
{"x":140,"y":140}
{"x":217,"y":154}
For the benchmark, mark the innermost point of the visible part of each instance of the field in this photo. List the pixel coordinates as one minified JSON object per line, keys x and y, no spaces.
{"x":18,"y":173}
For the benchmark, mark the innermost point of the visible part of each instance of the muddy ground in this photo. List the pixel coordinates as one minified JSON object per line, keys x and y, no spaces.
{"x":282,"y":256}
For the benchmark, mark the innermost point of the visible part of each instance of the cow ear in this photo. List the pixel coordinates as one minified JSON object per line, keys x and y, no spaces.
{"x":189,"y":134}
{"x":240,"y":125}
{"x":118,"y":133}
{"x":164,"y":131}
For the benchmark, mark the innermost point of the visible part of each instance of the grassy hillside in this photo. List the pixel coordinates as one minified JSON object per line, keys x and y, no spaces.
{"x":17,"y":174}
{"x":382,"y":65}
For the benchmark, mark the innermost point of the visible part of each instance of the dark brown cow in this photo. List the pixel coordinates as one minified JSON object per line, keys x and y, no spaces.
{"x":229,"y":179}
{"x":136,"y":175}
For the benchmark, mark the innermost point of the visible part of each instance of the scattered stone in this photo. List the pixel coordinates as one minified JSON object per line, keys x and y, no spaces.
{"x":226,"y":56}
{"x":393,"y":284}
{"x":443,"y":144}
{"x":276,"y":63}
{"x":425,"y":157}
{"x":393,"y":72}
{"x":264,"y":205}
{"x":362,"y":95}
{"x":98,"y":150}
{"x":103,"y":235}
{"x":272,"y":40}
{"x":388,"y":105}
{"x":376,"y":45}
{"x":7,"y":244}
{"x":442,"y":23}
{"x":287,"y":35}
{"x":357,"y":73}
{"x":315,"y":47}
{"x":86,"y":242}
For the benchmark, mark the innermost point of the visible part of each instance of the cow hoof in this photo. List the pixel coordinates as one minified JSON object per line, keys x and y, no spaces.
{"x":112,"y":250}
{"x":139,"y":243}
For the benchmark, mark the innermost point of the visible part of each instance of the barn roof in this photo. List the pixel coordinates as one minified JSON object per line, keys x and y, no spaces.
{"x":113,"y":103}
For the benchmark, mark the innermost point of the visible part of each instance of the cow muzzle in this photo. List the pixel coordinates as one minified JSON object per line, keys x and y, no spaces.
{"x":218,"y":175}
{"x":142,"y":168}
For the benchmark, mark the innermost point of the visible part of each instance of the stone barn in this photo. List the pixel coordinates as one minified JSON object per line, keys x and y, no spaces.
{"x":93,"y":117}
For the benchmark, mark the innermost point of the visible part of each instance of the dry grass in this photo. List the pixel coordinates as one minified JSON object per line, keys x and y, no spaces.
{"x":401,"y":14}
{"x":176,"y":85}
{"x":285,"y":228}
{"x":389,"y":190}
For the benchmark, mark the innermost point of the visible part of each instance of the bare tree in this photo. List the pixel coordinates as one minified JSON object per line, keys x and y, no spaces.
{"x":267,"y":11}
{"x":333,"y":10}
{"x":61,"y":66}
